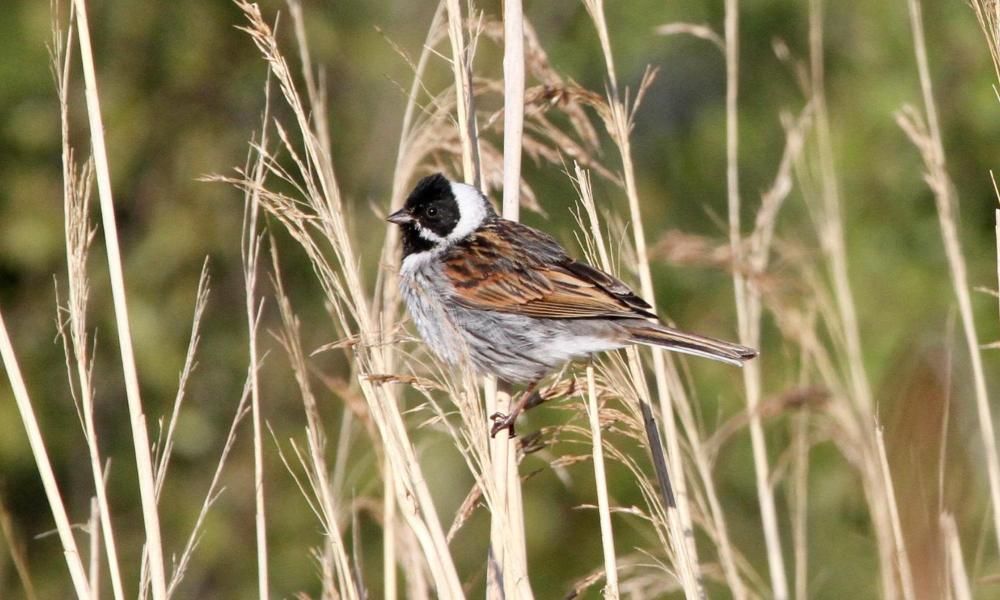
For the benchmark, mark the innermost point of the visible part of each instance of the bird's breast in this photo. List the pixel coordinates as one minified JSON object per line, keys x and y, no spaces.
{"x":423,"y":291}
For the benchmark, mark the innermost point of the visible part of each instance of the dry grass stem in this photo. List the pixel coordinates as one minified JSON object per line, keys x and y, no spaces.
{"x":902,"y":556}
{"x":665,"y":503}
{"x":70,"y":552}
{"x":137,"y":419}
{"x":700,"y":31}
{"x":387,"y":294}
{"x":959,"y":578}
{"x":250,"y":254}
{"x":988,"y":15}
{"x":513,"y":109}
{"x":162,"y":458}
{"x":461,"y":59}
{"x":832,"y":235}
{"x":79,"y":235}
{"x":18,"y":553}
{"x":924,"y":130}
{"x":315,"y":463}
{"x":620,"y":123}
{"x":800,"y":505}
{"x":214,"y":490}
{"x":317,"y":223}
{"x":600,"y":479}
{"x":507,"y":516}
{"x":746,"y":300}
{"x":837,"y":312}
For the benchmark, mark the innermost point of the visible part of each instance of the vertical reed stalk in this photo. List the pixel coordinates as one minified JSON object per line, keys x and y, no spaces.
{"x":800,"y":506}
{"x":600,"y":480}
{"x":513,"y":106}
{"x":317,"y":472}
{"x":388,"y":300}
{"x":389,"y":579}
{"x":17,"y":554}
{"x":833,"y":242}
{"x":928,"y":140}
{"x":678,"y":537}
{"x":507,"y":516}
{"x":507,"y":553}
{"x":319,"y":225}
{"x":94,"y":529}
{"x":78,"y":237}
{"x":748,"y":327}
{"x":621,"y":129}
{"x":251,"y":253}
{"x":463,"y":89}
{"x":137,"y":419}
{"x":959,"y":578}
{"x":902,"y":557}
{"x":833,"y":225}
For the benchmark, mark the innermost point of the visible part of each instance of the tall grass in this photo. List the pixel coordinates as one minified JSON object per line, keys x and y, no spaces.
{"x":633,"y":413}
{"x":153,"y":548}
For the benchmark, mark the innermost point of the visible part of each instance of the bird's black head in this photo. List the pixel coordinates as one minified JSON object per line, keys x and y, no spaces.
{"x":439,"y":212}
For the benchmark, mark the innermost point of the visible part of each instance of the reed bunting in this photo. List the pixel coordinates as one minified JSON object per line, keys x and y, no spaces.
{"x":506,"y":298}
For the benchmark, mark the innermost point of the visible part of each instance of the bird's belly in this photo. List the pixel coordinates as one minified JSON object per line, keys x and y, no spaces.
{"x":515,"y":348}
{"x":523,"y":349}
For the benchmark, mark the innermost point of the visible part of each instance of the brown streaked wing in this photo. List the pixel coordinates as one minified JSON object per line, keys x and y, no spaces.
{"x":500,"y":269}
{"x":612,"y":285}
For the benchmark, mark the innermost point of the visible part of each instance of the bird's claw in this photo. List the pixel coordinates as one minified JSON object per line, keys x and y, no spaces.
{"x":501,"y":422}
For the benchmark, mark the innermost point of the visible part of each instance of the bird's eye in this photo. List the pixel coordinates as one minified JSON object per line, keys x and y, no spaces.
{"x":432,"y":212}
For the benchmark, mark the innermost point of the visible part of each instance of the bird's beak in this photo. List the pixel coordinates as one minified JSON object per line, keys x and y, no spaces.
{"x":400,"y":217}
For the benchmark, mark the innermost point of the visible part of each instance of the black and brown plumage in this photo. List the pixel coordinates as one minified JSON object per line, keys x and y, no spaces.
{"x":508,"y":300}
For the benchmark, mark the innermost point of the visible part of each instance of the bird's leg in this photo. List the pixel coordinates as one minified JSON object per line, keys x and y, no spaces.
{"x":533,"y":400}
{"x":502,"y":421}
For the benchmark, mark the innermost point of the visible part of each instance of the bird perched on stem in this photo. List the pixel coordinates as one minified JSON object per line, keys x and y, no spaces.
{"x":507,"y":300}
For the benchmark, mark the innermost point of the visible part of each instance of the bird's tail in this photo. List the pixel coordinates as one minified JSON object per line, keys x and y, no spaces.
{"x":656,"y":334}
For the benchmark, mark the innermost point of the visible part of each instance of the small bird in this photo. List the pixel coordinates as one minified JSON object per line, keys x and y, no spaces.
{"x":509,"y":301}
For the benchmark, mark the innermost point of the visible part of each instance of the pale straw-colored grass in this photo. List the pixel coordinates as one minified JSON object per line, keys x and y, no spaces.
{"x":507,"y":516}
{"x":924,"y":130}
{"x":959,"y":578}
{"x":631,"y":385}
{"x":320,"y":491}
{"x":748,"y":311}
{"x":137,"y":418}
{"x":620,"y":122}
{"x":79,"y":235}
{"x":316,"y":221}
{"x":250,"y":253}
{"x":600,"y":479}
{"x":183,"y":560}
{"x":79,"y":352}
{"x":77,"y":572}
{"x":902,"y":556}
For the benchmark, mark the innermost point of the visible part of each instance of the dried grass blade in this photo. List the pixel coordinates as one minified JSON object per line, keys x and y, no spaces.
{"x":137,"y":419}
{"x":70,"y":552}
{"x":940,"y":183}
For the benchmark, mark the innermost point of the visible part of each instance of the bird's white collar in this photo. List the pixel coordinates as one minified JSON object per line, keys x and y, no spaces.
{"x":471,"y":209}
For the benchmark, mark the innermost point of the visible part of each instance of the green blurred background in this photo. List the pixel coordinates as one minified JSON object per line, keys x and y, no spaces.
{"x":181,"y":93}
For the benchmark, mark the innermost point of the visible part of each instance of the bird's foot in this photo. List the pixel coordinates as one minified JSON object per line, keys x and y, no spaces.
{"x":501,"y":422}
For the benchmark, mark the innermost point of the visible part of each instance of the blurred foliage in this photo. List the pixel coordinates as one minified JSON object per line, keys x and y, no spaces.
{"x":181,"y":93}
